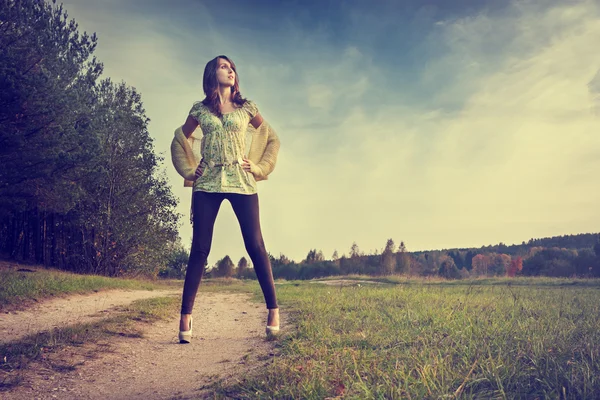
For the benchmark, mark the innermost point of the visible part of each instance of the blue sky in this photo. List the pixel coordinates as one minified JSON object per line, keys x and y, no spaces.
{"x":441,"y":124}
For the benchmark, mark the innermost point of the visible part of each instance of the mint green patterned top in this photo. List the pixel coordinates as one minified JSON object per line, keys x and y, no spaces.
{"x":223,"y":146}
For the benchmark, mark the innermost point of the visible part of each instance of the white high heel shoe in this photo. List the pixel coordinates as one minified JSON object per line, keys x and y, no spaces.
{"x":272,"y":330}
{"x":186,"y":336}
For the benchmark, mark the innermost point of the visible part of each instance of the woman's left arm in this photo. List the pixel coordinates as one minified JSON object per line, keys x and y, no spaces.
{"x":267,"y":162}
{"x":257,"y":121}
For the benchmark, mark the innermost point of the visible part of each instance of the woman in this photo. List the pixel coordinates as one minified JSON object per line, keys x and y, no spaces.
{"x":225,"y":172}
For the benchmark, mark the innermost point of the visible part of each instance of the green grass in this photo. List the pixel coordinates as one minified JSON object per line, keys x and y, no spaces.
{"x":405,"y":338}
{"x":18,"y":288}
{"x":45,"y":347}
{"x":492,"y":338}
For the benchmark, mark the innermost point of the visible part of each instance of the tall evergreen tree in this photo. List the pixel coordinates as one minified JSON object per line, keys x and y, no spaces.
{"x":80,"y":187}
{"x":403,"y":259}
{"x":225,"y":267}
{"x":597,"y":247}
{"x":388,"y":258}
{"x":402,"y":247}
{"x":354,"y":251}
{"x":242,"y":266}
{"x":448,"y":268}
{"x":47,"y":75}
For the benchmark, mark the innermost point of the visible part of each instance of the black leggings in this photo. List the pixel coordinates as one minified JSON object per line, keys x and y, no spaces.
{"x":206,"y":206}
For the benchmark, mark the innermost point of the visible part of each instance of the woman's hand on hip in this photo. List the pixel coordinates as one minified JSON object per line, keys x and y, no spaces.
{"x":249,"y":166}
{"x":199,"y":171}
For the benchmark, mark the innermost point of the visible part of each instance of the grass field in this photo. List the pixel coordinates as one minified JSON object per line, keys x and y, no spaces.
{"x":493,"y":338}
{"x":394,"y":338}
{"x":18,"y":289}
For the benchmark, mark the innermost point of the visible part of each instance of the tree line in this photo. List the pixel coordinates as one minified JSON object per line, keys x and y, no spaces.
{"x":81,"y":188}
{"x":525,"y":260}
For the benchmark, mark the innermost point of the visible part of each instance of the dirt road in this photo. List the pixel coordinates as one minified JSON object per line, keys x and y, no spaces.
{"x":228,"y":342}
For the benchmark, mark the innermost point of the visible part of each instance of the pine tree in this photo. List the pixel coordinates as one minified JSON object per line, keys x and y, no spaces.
{"x":80,"y":185}
{"x":283,"y":259}
{"x":354,"y":251}
{"x":320,"y":256}
{"x":47,"y":79}
{"x":597,"y":247}
{"x":448,"y":268}
{"x":388,"y":258}
{"x":225,"y":267}
{"x":314,"y":256}
{"x":403,"y":260}
{"x":242,"y":267}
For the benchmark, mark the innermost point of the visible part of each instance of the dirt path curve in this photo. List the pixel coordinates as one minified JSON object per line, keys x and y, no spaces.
{"x":228,"y":341}
{"x":79,"y":308}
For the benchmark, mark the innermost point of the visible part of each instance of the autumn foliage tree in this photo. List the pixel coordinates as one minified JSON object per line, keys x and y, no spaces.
{"x":492,"y":264}
{"x":481,"y":264}
{"x":516,"y":266}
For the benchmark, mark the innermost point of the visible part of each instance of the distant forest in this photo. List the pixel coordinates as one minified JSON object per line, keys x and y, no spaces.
{"x":560,"y":256}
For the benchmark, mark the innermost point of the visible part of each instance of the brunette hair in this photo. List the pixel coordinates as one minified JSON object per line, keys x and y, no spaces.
{"x":211,"y":86}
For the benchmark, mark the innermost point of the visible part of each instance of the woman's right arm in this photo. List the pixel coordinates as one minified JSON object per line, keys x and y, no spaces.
{"x":190,"y":126}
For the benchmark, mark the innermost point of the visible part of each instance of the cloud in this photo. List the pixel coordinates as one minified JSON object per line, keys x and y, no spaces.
{"x":594,"y":88}
{"x":517,"y":160}
{"x":320,"y":96}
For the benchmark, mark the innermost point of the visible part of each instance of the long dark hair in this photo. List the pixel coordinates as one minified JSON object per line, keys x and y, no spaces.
{"x":211,"y":86}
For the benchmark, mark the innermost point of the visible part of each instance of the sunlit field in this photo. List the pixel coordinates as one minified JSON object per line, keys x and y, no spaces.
{"x":505,"y":338}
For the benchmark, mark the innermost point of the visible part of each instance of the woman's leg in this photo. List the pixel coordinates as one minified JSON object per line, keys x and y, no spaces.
{"x":246,"y":211}
{"x":206,"y":207}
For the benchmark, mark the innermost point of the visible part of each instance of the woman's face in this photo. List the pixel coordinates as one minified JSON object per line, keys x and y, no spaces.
{"x":225,"y":74}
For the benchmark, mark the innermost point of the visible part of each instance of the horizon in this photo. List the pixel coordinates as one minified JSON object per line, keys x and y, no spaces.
{"x":379,"y":251}
{"x":439,"y":125}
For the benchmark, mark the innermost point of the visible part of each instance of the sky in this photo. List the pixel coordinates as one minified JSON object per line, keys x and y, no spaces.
{"x":439,"y":123}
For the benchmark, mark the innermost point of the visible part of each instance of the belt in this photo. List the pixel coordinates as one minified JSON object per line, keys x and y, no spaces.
{"x":213,"y":164}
